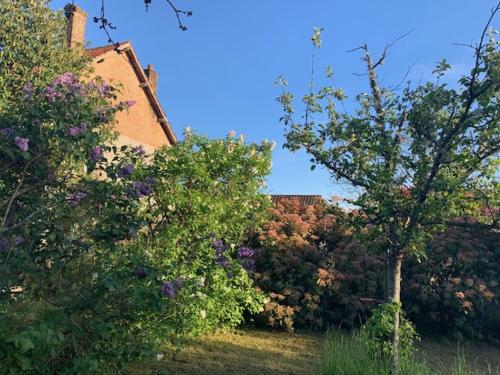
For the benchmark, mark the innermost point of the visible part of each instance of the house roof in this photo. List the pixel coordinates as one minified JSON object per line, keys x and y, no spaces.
{"x":126,"y":48}
{"x":98,"y":51}
{"x":304,"y":200}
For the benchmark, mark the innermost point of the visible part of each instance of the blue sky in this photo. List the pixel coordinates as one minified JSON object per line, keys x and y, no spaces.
{"x":219,"y":75}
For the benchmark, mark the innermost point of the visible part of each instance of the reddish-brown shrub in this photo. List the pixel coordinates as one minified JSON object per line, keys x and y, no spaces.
{"x":309,"y":259}
{"x":456,"y":289}
{"x":318,"y":275}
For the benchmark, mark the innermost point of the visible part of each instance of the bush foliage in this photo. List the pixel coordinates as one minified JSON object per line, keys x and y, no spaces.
{"x":457,"y":290}
{"x":315,"y":272}
{"x":318,"y":275}
{"x":106,"y":253}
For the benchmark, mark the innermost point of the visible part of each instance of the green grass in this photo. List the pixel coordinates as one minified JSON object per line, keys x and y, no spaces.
{"x":261,"y":352}
{"x":470,"y":358}
{"x":346,"y":354}
{"x":461,"y":367}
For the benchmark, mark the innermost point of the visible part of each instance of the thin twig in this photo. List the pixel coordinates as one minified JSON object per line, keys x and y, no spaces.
{"x":178,"y":13}
{"x":21,"y":181}
{"x":107,"y":26}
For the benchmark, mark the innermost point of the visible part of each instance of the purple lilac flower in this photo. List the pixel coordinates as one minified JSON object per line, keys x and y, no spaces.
{"x":171,"y":288}
{"x":139,"y":150}
{"x":51,"y":94}
{"x":140,"y":273}
{"x":168,"y":290}
{"x":219,"y":246}
{"x":245,"y":256}
{"x":126,"y":170}
{"x":74,"y":131}
{"x":105,"y":90}
{"x":129,"y":103}
{"x":18,"y":240}
{"x":65,"y":79}
{"x":83,"y":126}
{"x":6,"y":132}
{"x":22,"y":143}
{"x":96,"y":153}
{"x":28,"y":89}
{"x":222,"y":261}
{"x":142,"y":189}
{"x":77,"y":130}
{"x":76,"y":88}
{"x":245,"y":252}
{"x":74,"y":199}
{"x":69,"y":82}
{"x":102,"y":115}
{"x":4,"y":245}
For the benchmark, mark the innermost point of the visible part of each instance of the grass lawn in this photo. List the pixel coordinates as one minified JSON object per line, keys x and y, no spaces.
{"x":442,"y":355}
{"x":260,"y":352}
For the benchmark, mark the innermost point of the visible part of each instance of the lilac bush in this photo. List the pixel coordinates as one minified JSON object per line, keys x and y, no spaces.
{"x":61,"y":230}
{"x":194,"y":227}
{"x":107,"y":267}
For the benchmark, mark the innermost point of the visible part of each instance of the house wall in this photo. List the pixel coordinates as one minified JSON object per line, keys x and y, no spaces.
{"x":139,"y":125}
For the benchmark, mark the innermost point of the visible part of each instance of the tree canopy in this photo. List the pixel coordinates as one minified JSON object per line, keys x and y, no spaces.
{"x":419,"y":158}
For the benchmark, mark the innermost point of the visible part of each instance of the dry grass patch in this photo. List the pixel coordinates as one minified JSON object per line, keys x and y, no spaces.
{"x":249,"y":352}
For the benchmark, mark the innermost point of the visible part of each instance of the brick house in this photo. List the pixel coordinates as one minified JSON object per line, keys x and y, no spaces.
{"x":145,"y":123}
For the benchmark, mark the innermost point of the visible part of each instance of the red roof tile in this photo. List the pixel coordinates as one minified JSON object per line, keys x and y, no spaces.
{"x":98,"y":51}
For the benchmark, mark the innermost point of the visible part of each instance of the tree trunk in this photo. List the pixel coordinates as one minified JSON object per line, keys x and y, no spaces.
{"x":395,"y":293}
{"x":388,"y":279}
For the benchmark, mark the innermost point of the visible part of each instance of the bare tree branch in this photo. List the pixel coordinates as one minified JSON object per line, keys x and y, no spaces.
{"x":107,"y":26}
{"x":178,"y":14}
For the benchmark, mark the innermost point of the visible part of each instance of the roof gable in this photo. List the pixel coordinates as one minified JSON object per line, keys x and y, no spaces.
{"x":125,"y":48}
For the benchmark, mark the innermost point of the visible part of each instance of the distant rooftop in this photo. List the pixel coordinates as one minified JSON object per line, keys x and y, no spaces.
{"x":304,"y":200}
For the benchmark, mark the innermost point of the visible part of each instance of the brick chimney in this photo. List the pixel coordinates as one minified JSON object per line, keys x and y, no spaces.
{"x":75,"y":29}
{"x":152,"y":77}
